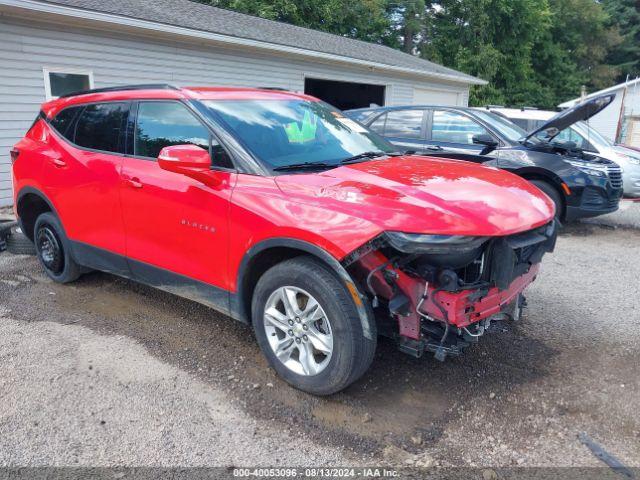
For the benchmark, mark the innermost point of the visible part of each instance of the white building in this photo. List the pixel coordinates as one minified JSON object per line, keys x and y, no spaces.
{"x":48,"y":48}
{"x":620,"y":121}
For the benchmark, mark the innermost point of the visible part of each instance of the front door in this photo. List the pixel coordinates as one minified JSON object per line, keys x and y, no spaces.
{"x":176,"y":227}
{"x":452,"y":133}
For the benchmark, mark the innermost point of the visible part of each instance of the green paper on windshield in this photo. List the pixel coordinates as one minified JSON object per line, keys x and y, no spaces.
{"x":306,"y":133}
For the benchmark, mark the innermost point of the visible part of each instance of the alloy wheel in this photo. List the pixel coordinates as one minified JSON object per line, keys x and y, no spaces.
{"x":298,"y":331}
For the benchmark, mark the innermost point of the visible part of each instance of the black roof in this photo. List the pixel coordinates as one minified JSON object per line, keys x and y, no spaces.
{"x":196,"y":16}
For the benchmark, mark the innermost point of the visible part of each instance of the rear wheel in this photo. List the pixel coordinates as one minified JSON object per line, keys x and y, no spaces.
{"x":53,"y":251}
{"x":308,"y":327}
{"x":553,"y":194}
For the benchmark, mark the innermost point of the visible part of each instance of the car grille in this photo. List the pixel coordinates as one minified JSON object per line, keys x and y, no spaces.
{"x":615,"y":175}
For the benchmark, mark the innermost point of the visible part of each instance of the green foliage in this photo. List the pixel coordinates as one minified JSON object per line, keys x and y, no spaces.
{"x":362,"y":19}
{"x":532,"y":52}
{"x":625,"y":15}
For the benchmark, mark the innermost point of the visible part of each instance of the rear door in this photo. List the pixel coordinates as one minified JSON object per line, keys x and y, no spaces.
{"x":452,"y":132}
{"x":404,"y":128}
{"x":175,"y":224}
{"x":82,"y":171}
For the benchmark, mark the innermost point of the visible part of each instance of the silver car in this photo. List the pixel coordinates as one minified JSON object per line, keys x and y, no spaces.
{"x":586,"y":138}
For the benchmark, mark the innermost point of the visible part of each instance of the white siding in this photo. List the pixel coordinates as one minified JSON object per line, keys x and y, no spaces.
{"x":26,"y":48}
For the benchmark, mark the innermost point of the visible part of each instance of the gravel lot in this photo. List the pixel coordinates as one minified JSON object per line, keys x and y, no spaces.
{"x":108,"y":372}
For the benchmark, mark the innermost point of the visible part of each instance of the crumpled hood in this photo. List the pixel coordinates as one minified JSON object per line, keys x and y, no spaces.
{"x":425,"y":195}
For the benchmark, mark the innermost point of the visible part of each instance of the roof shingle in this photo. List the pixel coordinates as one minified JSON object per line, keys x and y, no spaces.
{"x":196,"y":16}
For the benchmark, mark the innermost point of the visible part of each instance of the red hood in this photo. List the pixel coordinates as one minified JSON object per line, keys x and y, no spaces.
{"x":425,"y":195}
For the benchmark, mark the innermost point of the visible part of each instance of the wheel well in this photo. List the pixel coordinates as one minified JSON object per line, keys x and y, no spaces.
{"x":30,"y":207}
{"x":542,"y":178}
{"x":258,"y":265}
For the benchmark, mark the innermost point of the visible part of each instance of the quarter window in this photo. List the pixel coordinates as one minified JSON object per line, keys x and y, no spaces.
{"x":162,"y":124}
{"x":64,"y":119}
{"x":404,"y":123}
{"x":452,"y":127}
{"x":99,"y":127}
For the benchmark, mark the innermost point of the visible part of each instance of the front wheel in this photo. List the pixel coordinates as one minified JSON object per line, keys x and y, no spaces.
{"x":308,"y":327}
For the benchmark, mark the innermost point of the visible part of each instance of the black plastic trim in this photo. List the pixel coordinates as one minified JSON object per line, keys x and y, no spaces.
{"x":162,"y":279}
{"x":236,"y":304}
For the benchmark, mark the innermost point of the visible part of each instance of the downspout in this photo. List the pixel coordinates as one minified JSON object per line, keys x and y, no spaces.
{"x":621,"y":114}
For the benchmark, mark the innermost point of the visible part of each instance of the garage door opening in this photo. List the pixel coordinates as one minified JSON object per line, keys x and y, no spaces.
{"x":345,"y":95}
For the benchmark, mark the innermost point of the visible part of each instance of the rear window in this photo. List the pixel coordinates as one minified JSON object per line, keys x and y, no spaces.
{"x":404,"y":123}
{"x":99,"y":126}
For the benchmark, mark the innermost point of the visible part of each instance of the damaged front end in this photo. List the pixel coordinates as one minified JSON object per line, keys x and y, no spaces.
{"x":439,"y":293}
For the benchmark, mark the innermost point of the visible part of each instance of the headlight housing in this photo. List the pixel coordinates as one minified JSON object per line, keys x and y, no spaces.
{"x":588,"y":168}
{"x":434,"y":244}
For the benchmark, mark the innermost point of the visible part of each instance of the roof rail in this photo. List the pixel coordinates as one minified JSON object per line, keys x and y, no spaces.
{"x":528,"y":108}
{"x":148,"y":86}
{"x":488,"y":107}
{"x":278,"y":89}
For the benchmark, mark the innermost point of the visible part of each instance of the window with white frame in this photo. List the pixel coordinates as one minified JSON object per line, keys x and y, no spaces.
{"x":60,"y":81}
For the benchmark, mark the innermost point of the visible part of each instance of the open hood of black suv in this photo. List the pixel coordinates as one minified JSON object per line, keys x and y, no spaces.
{"x":582,"y":111}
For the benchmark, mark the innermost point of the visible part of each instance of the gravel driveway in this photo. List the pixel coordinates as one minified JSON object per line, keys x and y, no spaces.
{"x":109,"y":372}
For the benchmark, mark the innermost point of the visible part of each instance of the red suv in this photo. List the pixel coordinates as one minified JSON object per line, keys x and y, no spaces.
{"x":279,"y":211}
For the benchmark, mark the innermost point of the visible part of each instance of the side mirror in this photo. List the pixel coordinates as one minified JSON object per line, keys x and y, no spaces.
{"x":485,"y":139}
{"x":185,"y":159}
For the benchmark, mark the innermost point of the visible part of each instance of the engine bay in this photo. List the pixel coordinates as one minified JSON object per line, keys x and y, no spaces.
{"x":441,"y":299}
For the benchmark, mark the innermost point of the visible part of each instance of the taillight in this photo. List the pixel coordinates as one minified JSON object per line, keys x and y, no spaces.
{"x":15,"y":153}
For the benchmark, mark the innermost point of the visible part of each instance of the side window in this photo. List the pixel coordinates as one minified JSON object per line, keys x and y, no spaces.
{"x":453,"y":127}
{"x":378,"y":124}
{"x":571,"y":135}
{"x":523,"y":123}
{"x":162,"y":124}
{"x":99,"y":126}
{"x":64,"y":119}
{"x":404,"y":123}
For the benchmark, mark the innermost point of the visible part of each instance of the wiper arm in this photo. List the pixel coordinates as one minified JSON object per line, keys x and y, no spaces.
{"x":303,"y":166}
{"x":363,"y":156}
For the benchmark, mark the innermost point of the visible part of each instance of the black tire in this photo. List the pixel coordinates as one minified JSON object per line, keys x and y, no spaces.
{"x":53,"y":250}
{"x":352,"y":352}
{"x":553,"y":194}
{"x":19,"y":244}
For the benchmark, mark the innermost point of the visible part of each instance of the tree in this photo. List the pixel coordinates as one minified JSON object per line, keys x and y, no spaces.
{"x":625,"y":56}
{"x":532,"y":52}
{"x":362,"y":19}
{"x":491,"y":39}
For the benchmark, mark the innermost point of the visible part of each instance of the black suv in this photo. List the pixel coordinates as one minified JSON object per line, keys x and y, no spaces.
{"x":580,"y":183}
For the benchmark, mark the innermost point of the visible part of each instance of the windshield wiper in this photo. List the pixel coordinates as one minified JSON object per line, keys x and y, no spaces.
{"x":366,"y":155}
{"x":304,"y":166}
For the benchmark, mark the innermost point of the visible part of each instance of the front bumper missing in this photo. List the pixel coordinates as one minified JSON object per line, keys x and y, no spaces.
{"x":457,"y":309}
{"x":443,"y":304}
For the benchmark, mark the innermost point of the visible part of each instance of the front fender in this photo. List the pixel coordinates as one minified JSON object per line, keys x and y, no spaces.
{"x":360,"y":300}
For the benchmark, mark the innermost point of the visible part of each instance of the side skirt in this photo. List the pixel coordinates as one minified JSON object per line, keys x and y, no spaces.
{"x":177,"y":284}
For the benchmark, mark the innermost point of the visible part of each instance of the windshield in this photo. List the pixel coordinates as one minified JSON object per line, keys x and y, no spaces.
{"x":506,"y":128}
{"x":593,"y":135}
{"x":294,"y":131}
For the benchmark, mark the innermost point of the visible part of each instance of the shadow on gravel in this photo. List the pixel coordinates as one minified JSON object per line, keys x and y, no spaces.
{"x":400,"y":400}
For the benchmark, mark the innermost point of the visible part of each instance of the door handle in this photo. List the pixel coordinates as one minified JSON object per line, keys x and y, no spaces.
{"x":58,"y":162}
{"x":134,"y":182}
{"x":435,"y":148}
